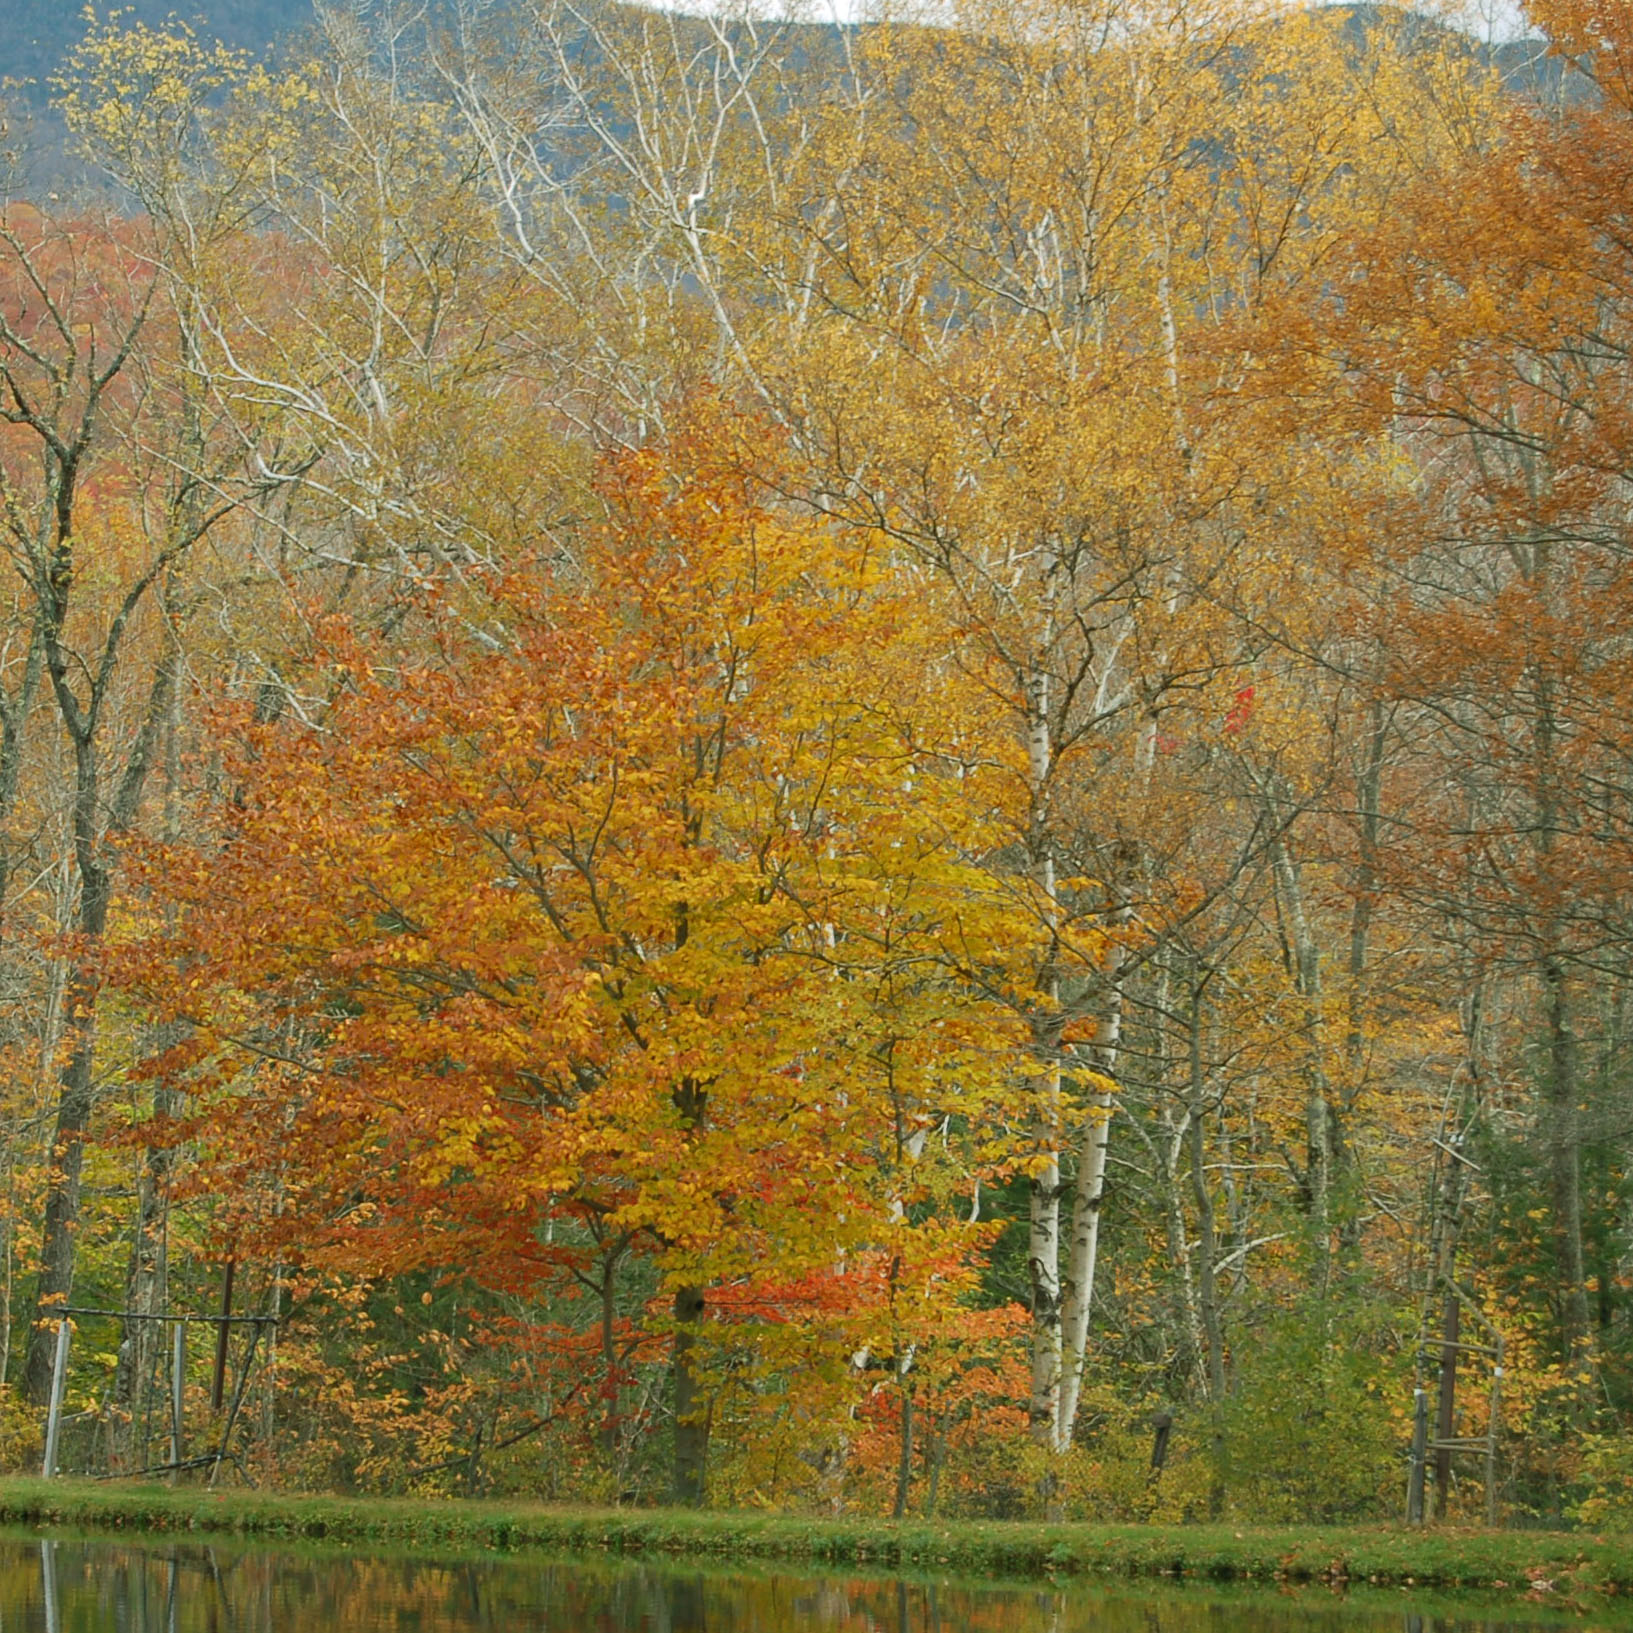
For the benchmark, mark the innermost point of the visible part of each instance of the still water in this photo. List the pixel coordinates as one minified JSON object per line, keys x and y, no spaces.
{"x":76,"y":1586}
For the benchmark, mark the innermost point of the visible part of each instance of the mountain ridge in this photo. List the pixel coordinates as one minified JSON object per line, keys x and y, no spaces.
{"x":36,"y":37}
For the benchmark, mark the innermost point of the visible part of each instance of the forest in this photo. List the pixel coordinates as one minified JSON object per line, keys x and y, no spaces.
{"x":875,"y":768}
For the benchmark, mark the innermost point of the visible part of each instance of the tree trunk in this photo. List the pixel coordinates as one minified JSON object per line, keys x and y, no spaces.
{"x":904,"y":1458}
{"x":1446,"y":1406}
{"x":611,"y":1425}
{"x":691,"y":1412}
{"x":1369,"y":788}
{"x":1043,"y":1204}
{"x":1564,"y":1148}
{"x":1370,"y":791}
{"x":691,"y":1099}
{"x":1088,"y":1200}
{"x":1207,"y":1236}
{"x":1562,"y":1124}
{"x":147,"y":1281}
{"x":61,"y":1223}
{"x":146,"y":1292}
{"x":1323,"y":1138}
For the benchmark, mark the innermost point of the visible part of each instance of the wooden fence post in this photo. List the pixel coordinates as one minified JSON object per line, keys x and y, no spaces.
{"x":223,"y":1329}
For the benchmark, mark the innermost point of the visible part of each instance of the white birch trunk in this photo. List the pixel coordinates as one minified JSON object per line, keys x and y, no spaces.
{"x":1319,"y":1142}
{"x":1087,"y":1198}
{"x":1043,"y":1242}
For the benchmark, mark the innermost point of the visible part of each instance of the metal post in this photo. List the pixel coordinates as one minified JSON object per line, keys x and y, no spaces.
{"x":1491,"y":1436}
{"x":1420,"y":1456}
{"x":53,"y":1421}
{"x":178,"y":1371}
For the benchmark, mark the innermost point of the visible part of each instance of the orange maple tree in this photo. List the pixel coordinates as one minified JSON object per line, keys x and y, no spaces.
{"x":644,"y":913}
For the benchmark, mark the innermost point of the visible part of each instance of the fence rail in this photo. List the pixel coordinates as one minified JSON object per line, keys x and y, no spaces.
{"x":65,"y":1314}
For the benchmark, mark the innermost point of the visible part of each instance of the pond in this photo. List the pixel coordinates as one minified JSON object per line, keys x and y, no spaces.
{"x":78,"y":1585}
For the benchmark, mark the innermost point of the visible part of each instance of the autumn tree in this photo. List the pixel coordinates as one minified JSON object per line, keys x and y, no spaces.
{"x":864,"y":672}
{"x":84,"y":300}
{"x":1487,"y":330}
{"x":654,"y":917}
{"x":1033,"y":237}
{"x":114,"y":476}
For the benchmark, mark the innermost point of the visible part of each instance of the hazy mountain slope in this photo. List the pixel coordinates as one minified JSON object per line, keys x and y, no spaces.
{"x":35,"y":36}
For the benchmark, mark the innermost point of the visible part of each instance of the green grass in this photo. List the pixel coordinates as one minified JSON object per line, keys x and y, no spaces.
{"x":1578,"y":1566}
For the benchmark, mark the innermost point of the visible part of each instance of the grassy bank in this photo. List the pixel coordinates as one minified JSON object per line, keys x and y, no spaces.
{"x":1572,"y":1565}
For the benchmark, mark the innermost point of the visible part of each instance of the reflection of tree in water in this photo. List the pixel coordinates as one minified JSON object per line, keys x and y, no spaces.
{"x":71,"y":1586}
{"x":472,"y":1577}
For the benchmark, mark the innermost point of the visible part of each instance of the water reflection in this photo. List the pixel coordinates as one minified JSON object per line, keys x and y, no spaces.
{"x":74,"y":1586}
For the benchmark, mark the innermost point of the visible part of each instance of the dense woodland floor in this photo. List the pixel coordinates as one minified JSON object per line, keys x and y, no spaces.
{"x":873,"y":770}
